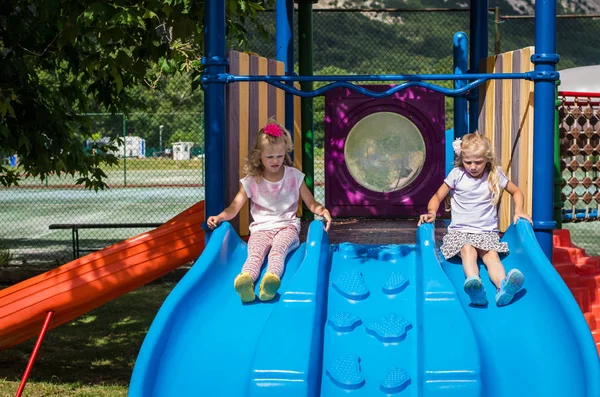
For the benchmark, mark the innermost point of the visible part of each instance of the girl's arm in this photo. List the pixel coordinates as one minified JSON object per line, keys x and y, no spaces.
{"x":519,"y":200}
{"x":231,"y":211}
{"x":314,"y":206}
{"x":434,"y":204}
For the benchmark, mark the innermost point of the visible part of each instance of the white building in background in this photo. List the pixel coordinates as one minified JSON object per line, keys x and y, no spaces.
{"x":182,"y":150}
{"x":581,"y":79}
{"x":134,"y":147}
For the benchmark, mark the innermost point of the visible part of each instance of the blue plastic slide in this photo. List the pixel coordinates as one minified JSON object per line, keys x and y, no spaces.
{"x":540,"y":345}
{"x":364,"y":320}
{"x":204,"y":341}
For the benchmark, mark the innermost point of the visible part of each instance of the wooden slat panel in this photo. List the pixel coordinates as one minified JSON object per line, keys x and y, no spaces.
{"x":272,"y":91}
{"x":280,"y":103}
{"x":526,"y":158}
{"x":263,"y":90}
{"x":496,"y":136}
{"x":232,"y":136}
{"x":297,"y":131}
{"x":481,"y":117}
{"x":506,"y":118}
{"x":490,"y":94}
{"x":244,"y":100}
{"x":515,"y":127}
{"x":253,"y":119}
{"x":505,"y":136}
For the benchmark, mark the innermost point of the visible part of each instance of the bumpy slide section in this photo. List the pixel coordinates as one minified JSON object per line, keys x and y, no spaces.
{"x":366,"y":321}
{"x":90,"y":281}
{"x":394,"y":326}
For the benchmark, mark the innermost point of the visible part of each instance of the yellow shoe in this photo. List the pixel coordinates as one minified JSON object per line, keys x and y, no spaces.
{"x":269,"y":286}
{"x":245,"y":287}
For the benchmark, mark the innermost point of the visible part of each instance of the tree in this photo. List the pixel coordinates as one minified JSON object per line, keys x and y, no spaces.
{"x":60,"y":58}
{"x":186,"y":136}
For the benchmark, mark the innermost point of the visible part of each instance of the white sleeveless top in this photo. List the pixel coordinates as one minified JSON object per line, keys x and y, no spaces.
{"x":471,"y":203}
{"x":274,"y":204}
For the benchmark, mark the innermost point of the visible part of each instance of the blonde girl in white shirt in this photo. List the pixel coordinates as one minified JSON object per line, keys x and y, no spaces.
{"x":273,"y":186}
{"x":477,"y":183}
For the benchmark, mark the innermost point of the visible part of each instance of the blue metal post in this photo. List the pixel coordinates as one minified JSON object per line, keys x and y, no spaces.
{"x":215,"y":63}
{"x":545,"y":60}
{"x":284,"y":42}
{"x":479,"y":51}
{"x":460,"y":55}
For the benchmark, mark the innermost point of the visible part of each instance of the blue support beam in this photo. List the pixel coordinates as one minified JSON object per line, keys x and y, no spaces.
{"x":545,"y":59}
{"x":343,"y":81}
{"x":215,"y":62}
{"x":479,"y":51}
{"x":284,"y":42}
{"x":460,"y":56}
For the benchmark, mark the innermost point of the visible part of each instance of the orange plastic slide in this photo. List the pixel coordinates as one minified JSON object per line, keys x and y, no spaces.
{"x":90,"y":281}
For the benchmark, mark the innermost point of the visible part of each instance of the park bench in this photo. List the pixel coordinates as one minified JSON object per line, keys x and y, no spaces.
{"x":76,"y":226}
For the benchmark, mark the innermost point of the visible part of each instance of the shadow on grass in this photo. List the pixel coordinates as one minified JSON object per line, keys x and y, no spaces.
{"x":98,"y":347}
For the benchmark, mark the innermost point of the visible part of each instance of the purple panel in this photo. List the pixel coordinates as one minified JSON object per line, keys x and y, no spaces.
{"x":344,"y":196}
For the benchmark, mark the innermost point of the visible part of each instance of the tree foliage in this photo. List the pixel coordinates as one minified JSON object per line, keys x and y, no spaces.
{"x":61,"y":58}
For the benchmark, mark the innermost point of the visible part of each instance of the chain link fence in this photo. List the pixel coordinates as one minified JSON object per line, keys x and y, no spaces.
{"x":417,"y":41}
{"x":160,"y":173}
{"x":161,"y":166}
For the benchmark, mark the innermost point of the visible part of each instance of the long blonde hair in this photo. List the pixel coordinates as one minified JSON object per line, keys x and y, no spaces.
{"x":477,"y":144}
{"x":255,"y":167}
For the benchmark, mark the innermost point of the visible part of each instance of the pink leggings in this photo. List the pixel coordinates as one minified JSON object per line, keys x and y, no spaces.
{"x":281,"y":241}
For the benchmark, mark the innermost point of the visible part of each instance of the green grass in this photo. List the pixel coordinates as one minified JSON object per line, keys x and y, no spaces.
{"x":147,"y":164}
{"x":47,"y":389}
{"x":92,"y":355}
{"x":25,"y":215}
{"x":158,"y":164}
{"x":585,"y":235}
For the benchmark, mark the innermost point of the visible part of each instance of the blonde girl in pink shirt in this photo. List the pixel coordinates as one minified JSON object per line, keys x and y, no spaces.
{"x":477,"y":183}
{"x":274,"y":187}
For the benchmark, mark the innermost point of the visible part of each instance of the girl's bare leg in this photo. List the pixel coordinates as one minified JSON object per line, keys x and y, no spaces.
{"x":468,"y":254}
{"x":494,"y":266}
{"x":472,"y":285}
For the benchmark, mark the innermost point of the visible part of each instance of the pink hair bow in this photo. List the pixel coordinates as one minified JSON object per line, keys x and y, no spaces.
{"x":273,"y":130}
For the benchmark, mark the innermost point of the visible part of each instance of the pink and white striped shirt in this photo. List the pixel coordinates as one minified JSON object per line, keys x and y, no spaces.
{"x":274,"y":204}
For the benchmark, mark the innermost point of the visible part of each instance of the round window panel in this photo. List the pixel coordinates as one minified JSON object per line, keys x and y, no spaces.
{"x":384,"y":152}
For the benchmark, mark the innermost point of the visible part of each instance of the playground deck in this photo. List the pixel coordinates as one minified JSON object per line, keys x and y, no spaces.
{"x":374,"y":231}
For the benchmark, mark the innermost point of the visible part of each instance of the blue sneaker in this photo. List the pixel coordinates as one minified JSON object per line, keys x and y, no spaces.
{"x":474,"y":288}
{"x":509,"y":287}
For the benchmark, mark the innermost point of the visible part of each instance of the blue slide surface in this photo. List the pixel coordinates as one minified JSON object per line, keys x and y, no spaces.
{"x":367,"y":320}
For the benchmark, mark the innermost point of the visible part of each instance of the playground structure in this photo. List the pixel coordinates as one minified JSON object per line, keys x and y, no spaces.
{"x":326,"y":328}
{"x":368,"y":319}
{"x":578,"y":137}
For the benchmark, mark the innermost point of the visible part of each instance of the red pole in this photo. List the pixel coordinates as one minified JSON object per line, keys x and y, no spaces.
{"x":34,"y":354}
{"x":579,"y":94}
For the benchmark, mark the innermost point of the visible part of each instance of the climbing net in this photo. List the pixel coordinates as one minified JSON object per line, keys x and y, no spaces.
{"x":579,"y":129}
